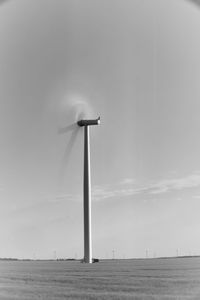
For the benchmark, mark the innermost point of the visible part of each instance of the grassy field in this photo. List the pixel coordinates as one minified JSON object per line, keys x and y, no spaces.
{"x":175,"y":278}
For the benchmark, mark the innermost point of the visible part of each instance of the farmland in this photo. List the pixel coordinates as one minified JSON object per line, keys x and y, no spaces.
{"x":174,"y":278}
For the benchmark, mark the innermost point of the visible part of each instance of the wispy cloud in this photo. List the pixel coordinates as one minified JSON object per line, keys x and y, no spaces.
{"x":69,"y":197}
{"x":128,"y":181}
{"x":189,"y":181}
{"x":59,"y":198}
{"x":129,"y":187}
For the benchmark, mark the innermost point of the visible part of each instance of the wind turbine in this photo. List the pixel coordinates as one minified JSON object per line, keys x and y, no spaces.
{"x":87,"y":189}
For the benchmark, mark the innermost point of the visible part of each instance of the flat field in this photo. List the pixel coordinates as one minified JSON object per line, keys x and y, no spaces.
{"x":174,"y":278}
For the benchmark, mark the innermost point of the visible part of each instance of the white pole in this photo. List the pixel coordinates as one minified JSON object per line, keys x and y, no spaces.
{"x":87,"y":198}
{"x":87,"y":189}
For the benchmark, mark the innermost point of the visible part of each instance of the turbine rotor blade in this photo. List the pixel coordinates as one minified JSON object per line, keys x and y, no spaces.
{"x":66,"y":156}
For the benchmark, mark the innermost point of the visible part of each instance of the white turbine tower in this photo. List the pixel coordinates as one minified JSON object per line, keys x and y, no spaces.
{"x":87,"y":189}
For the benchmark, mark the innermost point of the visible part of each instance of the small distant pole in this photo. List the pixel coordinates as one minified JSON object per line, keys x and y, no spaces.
{"x":113,"y":254}
{"x":54,"y":255}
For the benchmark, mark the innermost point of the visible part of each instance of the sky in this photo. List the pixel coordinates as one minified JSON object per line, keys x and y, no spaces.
{"x":137,"y":65}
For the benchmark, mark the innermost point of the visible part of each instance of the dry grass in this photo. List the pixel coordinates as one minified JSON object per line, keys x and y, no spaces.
{"x":125,"y":279}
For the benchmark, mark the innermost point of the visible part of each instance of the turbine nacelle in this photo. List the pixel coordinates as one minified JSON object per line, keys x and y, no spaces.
{"x":89,"y":122}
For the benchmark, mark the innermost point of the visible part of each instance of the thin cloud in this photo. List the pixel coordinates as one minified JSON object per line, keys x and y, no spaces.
{"x":106,"y":192}
{"x":128,"y":181}
{"x":164,"y":186}
{"x":129,"y":187}
{"x":66,"y":197}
